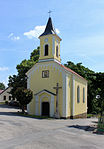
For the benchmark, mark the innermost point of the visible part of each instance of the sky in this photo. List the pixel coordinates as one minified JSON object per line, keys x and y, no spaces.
{"x":80,"y":24}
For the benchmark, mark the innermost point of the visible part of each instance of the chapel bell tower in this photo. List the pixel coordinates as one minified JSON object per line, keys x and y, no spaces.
{"x":49,"y":44}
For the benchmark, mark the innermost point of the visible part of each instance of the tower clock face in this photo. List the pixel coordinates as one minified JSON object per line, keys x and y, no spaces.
{"x":46,"y":40}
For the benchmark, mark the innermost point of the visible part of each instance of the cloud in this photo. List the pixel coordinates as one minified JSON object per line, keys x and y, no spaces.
{"x":12,"y":37}
{"x":38,"y":30}
{"x":16,"y":38}
{"x":57,"y":31}
{"x":6,"y":81}
{"x":4,"y":68}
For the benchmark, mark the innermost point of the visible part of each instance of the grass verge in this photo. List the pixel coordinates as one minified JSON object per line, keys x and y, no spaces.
{"x":34,"y":116}
{"x":2,"y":103}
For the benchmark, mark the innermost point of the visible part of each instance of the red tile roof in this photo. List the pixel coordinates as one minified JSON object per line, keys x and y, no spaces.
{"x":68,"y":69}
{"x":1,"y":91}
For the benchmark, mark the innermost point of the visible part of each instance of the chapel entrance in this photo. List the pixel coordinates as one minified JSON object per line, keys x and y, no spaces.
{"x":45,"y":108}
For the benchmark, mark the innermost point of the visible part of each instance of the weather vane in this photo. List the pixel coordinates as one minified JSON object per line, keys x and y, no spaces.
{"x":49,"y":12}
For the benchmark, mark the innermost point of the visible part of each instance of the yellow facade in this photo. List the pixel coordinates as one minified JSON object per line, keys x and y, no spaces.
{"x":43,"y":77}
{"x":52,"y":41}
{"x":80,"y":107}
{"x":65,"y":79}
{"x":45,"y":83}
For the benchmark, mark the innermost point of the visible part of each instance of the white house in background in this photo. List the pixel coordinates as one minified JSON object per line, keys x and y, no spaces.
{"x":5,"y":95}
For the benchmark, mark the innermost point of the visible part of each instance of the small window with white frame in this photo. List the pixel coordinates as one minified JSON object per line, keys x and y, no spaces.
{"x":45,"y":74}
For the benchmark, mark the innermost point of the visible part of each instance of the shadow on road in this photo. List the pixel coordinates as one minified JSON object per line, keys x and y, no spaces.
{"x":9,"y":113}
{"x":96,"y":122}
{"x":7,"y":106}
{"x":92,"y":128}
{"x":86,"y":128}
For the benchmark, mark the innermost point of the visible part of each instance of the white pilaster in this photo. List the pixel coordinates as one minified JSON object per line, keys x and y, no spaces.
{"x":28,"y":82}
{"x":28,"y":87}
{"x":36,"y":105}
{"x":28,"y":109}
{"x":67,"y":105}
{"x":64,"y":94}
{"x":73,"y":94}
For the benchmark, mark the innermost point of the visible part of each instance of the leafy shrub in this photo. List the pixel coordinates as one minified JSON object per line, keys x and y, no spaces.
{"x":6,"y":102}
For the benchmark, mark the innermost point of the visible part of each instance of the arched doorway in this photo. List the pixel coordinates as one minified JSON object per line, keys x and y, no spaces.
{"x":45,"y":109}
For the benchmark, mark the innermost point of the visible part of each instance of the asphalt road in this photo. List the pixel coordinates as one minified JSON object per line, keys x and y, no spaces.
{"x":17,"y":132}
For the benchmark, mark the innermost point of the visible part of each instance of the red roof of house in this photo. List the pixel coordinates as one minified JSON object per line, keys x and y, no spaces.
{"x":1,"y":91}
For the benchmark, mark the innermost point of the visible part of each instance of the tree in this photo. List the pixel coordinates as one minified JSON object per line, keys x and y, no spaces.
{"x":35,"y":54}
{"x":24,"y":96}
{"x":16,"y":81}
{"x":98,"y":87}
{"x":2,"y":86}
{"x":20,"y":80}
{"x":100,"y":100}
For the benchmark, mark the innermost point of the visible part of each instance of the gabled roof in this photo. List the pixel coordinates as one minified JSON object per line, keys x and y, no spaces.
{"x":73,"y":72}
{"x":4,"y":90}
{"x":45,"y":91}
{"x":64,"y":68}
{"x":49,"y":28}
{"x":1,"y":91}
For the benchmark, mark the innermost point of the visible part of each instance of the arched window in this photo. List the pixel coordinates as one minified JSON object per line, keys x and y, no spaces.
{"x":46,"y":50}
{"x":78,"y":94}
{"x":57,"y":51}
{"x":83,"y":95}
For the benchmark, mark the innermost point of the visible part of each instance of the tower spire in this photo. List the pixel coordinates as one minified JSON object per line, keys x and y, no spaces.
{"x":49,"y":28}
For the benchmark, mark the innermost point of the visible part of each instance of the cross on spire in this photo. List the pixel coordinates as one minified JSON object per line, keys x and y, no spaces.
{"x":49,"y":12}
